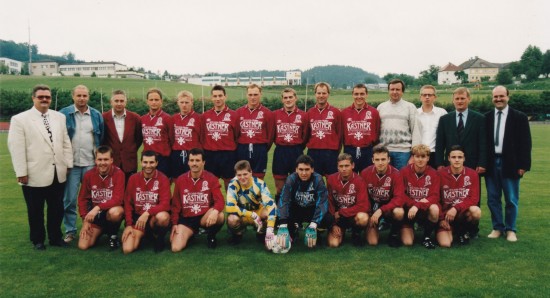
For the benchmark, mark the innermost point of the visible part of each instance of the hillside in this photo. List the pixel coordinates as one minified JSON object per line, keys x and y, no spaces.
{"x":339,"y":76}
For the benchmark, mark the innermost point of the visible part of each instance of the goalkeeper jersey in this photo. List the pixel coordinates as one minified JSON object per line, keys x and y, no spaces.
{"x":243,"y":200}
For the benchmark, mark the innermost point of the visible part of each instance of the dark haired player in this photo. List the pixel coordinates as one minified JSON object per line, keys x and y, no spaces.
{"x":146,"y":205}
{"x":197,"y":202}
{"x":459,"y":199}
{"x":348,"y":202}
{"x":386,"y":192}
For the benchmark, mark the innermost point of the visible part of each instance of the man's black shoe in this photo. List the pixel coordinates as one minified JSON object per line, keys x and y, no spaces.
{"x":393,"y":241}
{"x":428,"y":243}
{"x":211,"y":241}
{"x":114,"y":243}
{"x":356,"y":239}
{"x":39,"y":246}
{"x":159,"y":244}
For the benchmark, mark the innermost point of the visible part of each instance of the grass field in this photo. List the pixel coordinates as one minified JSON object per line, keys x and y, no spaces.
{"x":485,"y":268}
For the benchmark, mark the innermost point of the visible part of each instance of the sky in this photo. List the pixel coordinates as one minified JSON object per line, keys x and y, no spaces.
{"x":200,"y":36}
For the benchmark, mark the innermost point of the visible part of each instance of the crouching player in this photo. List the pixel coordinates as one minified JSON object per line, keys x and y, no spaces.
{"x":348,"y":202}
{"x":421,"y":197}
{"x":459,"y":199}
{"x":386,"y":192}
{"x":197,"y":203}
{"x":304,"y":198}
{"x":146,"y":205}
{"x":100,"y":200}
{"x":249,"y":203}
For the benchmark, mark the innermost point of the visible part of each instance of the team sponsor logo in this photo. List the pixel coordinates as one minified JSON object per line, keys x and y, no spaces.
{"x":260,"y":115}
{"x":195,"y":201}
{"x":251,"y":127}
{"x":183,"y":134}
{"x":455,"y":196}
{"x":387,"y":182}
{"x":227,"y":117}
{"x":330,"y":115}
{"x":287,"y":130}
{"x":428,"y":181}
{"x":345,"y":201}
{"x":155,"y":186}
{"x":321,"y":128}
{"x":351,"y":189}
{"x":217,"y":129}
{"x":159,"y":122}
{"x":417,"y":193}
{"x":205,"y":186}
{"x":101,"y":195}
{"x":467,"y":181}
{"x":304,"y":198}
{"x":191,"y":122}
{"x":146,"y":199}
{"x":368,"y":115}
{"x":379,"y":194}
{"x":298,"y":119}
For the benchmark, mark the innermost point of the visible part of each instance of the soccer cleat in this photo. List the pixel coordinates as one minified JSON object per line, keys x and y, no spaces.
{"x":69,"y":238}
{"x":235,"y":239}
{"x":39,"y":246}
{"x":159,"y":244}
{"x":464,"y":239}
{"x":114,"y":243}
{"x":356,"y":239}
{"x":393,"y":241}
{"x":211,"y":241}
{"x":428,"y":243}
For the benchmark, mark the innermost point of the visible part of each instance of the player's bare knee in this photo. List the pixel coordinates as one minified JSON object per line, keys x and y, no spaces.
{"x":398,"y":213}
{"x":475,"y":212}
{"x":163,"y":219}
{"x":361,"y":219}
{"x":233,"y":221}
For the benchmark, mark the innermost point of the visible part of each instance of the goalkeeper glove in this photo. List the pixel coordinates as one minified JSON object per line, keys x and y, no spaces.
{"x":257,"y":221}
{"x":283,"y":236}
{"x":311,"y":235}
{"x":269,"y":238}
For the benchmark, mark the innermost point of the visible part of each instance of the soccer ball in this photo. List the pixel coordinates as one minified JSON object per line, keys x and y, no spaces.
{"x":279,"y":250}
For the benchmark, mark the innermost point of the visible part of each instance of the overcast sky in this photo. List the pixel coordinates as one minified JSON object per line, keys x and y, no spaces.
{"x":199,"y":36}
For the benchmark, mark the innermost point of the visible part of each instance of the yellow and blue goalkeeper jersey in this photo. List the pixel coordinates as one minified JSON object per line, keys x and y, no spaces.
{"x":242,"y":201}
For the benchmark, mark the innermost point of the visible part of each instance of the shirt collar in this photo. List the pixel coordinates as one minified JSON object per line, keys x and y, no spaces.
{"x":504,"y":111}
{"x":116,"y":116}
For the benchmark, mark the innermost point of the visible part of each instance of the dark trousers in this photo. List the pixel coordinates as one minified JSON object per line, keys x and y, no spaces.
{"x":35,"y":198}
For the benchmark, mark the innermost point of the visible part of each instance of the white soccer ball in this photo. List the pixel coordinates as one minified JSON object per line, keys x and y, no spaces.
{"x":279,"y":250}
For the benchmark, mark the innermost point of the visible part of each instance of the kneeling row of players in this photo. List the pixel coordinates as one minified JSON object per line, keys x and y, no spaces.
{"x":443,"y":201}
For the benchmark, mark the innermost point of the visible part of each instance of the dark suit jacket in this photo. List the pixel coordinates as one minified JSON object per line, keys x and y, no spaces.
{"x":125,"y":152}
{"x":474,"y":139}
{"x":516,"y":145}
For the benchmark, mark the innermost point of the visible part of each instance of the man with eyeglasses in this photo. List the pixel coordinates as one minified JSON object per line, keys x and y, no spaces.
{"x":427,"y":119}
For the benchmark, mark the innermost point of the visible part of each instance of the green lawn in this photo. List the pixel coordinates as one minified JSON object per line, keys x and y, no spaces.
{"x":485,"y":268}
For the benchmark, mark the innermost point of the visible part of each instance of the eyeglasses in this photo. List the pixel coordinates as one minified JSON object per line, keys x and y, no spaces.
{"x":43,"y":97}
{"x":427,"y":95}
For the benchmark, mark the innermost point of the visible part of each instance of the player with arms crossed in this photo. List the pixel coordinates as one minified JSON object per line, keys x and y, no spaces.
{"x":386,"y":192}
{"x":459,"y":199}
{"x":421,"y":196}
{"x":304,"y":199}
{"x":146,"y":205}
{"x":100,"y":200}
{"x":197,"y":202}
{"x":249,"y":203}
{"x":348,"y":202}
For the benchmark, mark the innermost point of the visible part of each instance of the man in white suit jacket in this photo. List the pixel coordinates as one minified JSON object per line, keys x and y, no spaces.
{"x":41,"y":154}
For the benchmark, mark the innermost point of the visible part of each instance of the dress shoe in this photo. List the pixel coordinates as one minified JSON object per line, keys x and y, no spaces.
{"x":494,"y":234}
{"x":39,"y":246}
{"x":511,"y":236}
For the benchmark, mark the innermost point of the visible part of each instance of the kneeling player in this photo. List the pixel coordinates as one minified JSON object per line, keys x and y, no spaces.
{"x":459,"y":199}
{"x":348,"y":202}
{"x":304,"y":198}
{"x":421,"y":197}
{"x":386,"y":192}
{"x":197,"y":202}
{"x":100,"y":200}
{"x":249,"y":203}
{"x":146,"y":205}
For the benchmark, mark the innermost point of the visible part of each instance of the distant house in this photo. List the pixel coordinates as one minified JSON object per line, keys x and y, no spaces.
{"x":291,"y":78}
{"x":101,"y":69}
{"x":477,"y":68}
{"x":446,"y":75}
{"x":13,"y":65}
{"x":44,"y":68}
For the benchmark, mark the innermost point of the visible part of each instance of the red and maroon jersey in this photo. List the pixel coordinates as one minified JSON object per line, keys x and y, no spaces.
{"x":386,"y":191}
{"x":460,"y":191}
{"x":418,"y":187}
{"x":156,"y":130}
{"x":186,"y":131}
{"x":146,"y":194}
{"x":361,"y":127}
{"x":348,"y":198}
{"x":325,"y":128}
{"x":193,"y":197}
{"x":255,"y":126}
{"x":219,"y":130}
{"x":103,"y":191}
{"x":292,"y":128}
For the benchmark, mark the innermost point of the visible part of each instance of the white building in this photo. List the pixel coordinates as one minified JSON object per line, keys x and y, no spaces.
{"x":446,"y":75}
{"x":13,"y":65}
{"x":101,"y":69}
{"x":44,"y":68}
{"x":291,"y":78}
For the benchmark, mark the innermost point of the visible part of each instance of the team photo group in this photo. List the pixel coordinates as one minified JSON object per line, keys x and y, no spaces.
{"x":358,"y":171}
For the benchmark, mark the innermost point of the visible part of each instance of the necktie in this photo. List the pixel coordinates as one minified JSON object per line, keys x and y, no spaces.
{"x":460,"y":127}
{"x":47,"y":125}
{"x":498,"y":128}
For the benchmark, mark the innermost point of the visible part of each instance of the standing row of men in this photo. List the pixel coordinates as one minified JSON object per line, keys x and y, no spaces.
{"x":248,"y":133}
